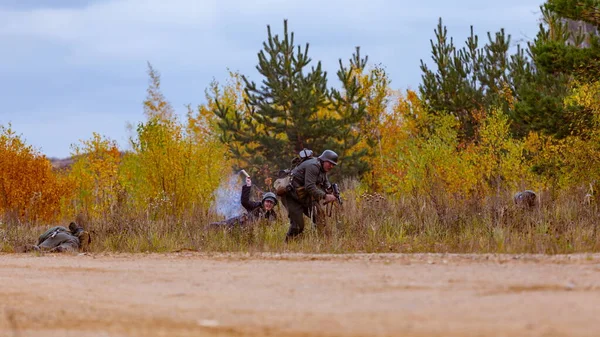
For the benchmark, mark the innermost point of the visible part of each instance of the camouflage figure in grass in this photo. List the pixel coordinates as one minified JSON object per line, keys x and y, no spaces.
{"x":526,"y":199}
{"x":61,"y":239}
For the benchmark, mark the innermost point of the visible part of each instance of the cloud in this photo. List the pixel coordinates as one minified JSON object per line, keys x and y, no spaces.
{"x":117,"y":30}
{"x":71,"y":68}
{"x":126,"y":30}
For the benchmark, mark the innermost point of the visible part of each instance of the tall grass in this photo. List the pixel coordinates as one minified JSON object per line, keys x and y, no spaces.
{"x":560,"y":223}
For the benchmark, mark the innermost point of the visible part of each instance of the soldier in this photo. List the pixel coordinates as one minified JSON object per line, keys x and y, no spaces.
{"x":257,"y":210}
{"x":61,"y":239}
{"x":309,"y":188}
{"x":526,"y":199}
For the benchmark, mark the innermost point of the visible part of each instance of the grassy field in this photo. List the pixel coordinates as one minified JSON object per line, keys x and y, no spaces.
{"x":365,"y":223}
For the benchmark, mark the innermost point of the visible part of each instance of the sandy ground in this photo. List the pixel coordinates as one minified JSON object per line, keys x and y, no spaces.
{"x":193,"y":294}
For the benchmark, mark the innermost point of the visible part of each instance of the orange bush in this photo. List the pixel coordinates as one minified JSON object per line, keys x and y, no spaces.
{"x":29,"y":188}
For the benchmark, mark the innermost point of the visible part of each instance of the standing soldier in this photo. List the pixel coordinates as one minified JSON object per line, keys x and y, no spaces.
{"x":309,"y":189}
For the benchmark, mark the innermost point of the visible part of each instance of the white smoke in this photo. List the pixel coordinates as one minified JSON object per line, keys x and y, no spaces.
{"x":227,"y":197}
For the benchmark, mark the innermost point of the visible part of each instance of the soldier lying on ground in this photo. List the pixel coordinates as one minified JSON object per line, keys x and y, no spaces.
{"x":257,"y":210}
{"x":61,"y":239}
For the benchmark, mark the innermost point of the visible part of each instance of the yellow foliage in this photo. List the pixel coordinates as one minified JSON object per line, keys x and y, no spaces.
{"x":574,"y":160}
{"x":174,"y":168}
{"x":420,"y":153}
{"x":95,"y":173}
{"x":374,"y":85}
{"x":586,"y":95}
{"x":231,"y":95}
{"x":155,"y":105}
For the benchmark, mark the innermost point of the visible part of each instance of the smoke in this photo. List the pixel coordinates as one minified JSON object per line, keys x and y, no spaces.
{"x":227,"y":197}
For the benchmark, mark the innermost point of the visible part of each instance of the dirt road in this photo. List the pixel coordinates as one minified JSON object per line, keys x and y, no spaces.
{"x":192,"y":294}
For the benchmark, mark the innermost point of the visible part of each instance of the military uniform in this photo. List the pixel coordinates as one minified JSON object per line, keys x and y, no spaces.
{"x":309,"y":184}
{"x":255,"y":210}
{"x":62,"y":239}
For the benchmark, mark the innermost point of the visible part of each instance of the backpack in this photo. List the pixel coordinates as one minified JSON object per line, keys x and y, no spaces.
{"x":283,"y":184}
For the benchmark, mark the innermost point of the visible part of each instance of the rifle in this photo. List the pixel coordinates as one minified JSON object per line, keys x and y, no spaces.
{"x":336,"y":192}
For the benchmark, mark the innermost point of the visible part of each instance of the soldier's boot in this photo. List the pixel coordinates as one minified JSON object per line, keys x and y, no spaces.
{"x":292,"y":234}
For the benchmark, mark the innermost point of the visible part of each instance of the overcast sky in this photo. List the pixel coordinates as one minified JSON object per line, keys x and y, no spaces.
{"x":72,"y":67}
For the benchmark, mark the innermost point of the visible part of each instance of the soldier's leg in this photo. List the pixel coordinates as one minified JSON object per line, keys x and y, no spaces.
{"x":51,"y":243}
{"x":63,"y":247}
{"x":296,"y":216}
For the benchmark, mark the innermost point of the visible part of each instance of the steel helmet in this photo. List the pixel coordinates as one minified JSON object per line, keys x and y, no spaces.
{"x":75,"y":228}
{"x":270,"y":196}
{"x":525,"y":198}
{"x":329,"y":156}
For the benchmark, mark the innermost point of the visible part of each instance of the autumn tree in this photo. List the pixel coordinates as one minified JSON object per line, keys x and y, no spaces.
{"x":95,"y":174}
{"x":350,"y":106}
{"x":283,"y":110}
{"x":226,"y":116}
{"x":469,"y":81}
{"x":174,"y":168}
{"x":294,"y":109}
{"x":375,"y":86}
{"x":541,"y":92}
{"x":30,"y":190}
{"x":466,"y":81}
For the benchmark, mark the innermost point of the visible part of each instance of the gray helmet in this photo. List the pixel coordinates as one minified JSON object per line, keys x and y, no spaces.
{"x":329,"y":156}
{"x":75,"y":228}
{"x":270,"y":196}
{"x":526,"y":198}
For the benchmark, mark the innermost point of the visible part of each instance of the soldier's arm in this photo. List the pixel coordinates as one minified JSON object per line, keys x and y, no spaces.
{"x":246,"y":202}
{"x":327,"y":184}
{"x":310,"y":182}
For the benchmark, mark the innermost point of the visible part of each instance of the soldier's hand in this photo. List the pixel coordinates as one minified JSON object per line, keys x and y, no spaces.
{"x":330,"y":198}
{"x":248,"y":181}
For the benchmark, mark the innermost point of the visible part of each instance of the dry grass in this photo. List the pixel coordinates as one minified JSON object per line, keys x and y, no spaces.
{"x":365,"y":223}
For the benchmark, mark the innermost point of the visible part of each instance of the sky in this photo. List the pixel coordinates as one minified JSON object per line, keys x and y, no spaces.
{"x":69,"y":68}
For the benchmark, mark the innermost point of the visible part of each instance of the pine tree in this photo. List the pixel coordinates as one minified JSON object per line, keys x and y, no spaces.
{"x":558,"y":48}
{"x":351,"y":106}
{"x":293,"y":109}
{"x":555,"y":63}
{"x":467,"y":80}
{"x":584,"y":10}
{"x":284,"y":110}
{"x":470,"y":81}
